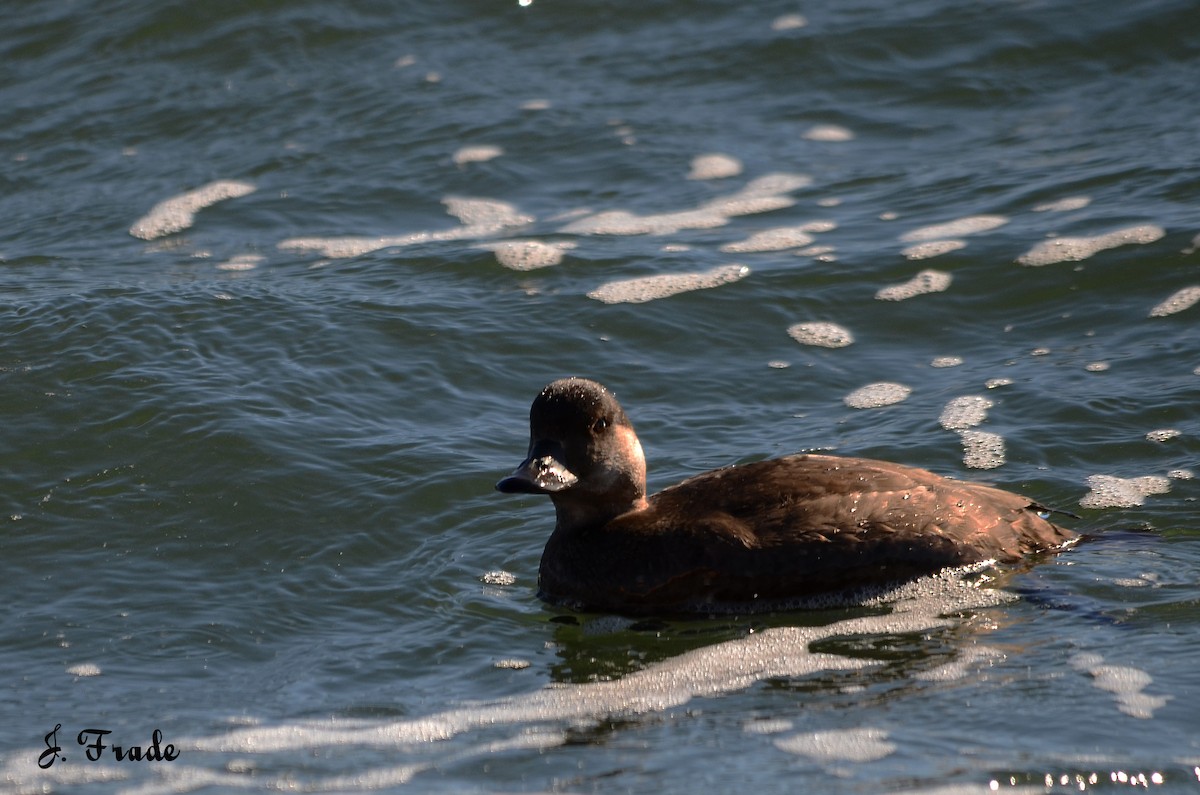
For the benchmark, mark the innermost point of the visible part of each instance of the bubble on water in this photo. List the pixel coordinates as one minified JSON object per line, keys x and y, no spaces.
{"x":1163,"y":435}
{"x":831,"y":133}
{"x":714,"y":166}
{"x":1181,"y":474}
{"x":528,"y":255}
{"x":1073,"y":249}
{"x":651,"y":288}
{"x":84,"y":669}
{"x":1040,"y":352}
{"x":1097,"y":367}
{"x":498,"y":577}
{"x":241,"y":262}
{"x":970,"y":225}
{"x":946,"y":361}
{"x":778,"y":364}
{"x":1108,"y":491}
{"x":404,"y":61}
{"x":821,"y":334}
{"x":840,"y":745}
{"x":927,"y":281}
{"x":480,"y":218}
{"x":964,"y":412}
{"x":788,"y":22}
{"x":982,"y":449}
{"x":993,"y":383}
{"x":1177,"y":302}
{"x":778,"y":239}
{"x":872,"y":396}
{"x":476,"y":154}
{"x":934,"y":248}
{"x":535,"y":104}
{"x":179,"y":212}
{"x":1063,"y":205}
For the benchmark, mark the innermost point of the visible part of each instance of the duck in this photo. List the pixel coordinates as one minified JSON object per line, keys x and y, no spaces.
{"x":747,"y":537}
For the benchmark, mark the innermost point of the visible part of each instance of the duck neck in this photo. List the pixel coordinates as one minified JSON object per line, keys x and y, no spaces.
{"x":578,"y":510}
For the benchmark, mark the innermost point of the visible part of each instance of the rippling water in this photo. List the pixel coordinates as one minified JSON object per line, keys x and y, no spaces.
{"x":280,"y":280}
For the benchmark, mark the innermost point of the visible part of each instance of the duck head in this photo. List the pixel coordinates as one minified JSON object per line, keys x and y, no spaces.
{"x":583,"y":452}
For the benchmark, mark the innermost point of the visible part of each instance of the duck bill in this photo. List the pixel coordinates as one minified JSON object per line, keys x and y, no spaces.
{"x":541,"y":473}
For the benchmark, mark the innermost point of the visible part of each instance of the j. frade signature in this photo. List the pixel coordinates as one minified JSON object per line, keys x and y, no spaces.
{"x":94,"y":747}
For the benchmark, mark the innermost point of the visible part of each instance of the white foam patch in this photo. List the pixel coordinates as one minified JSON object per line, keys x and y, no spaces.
{"x":1124,"y":682}
{"x":1108,"y":491}
{"x":821,"y":334}
{"x":830,"y":133}
{"x":512,"y":664}
{"x":822,"y":253}
{"x":481,"y":218}
{"x":1065,"y":204}
{"x":1164,"y":434}
{"x":528,"y":255}
{"x":1181,"y":474}
{"x":873,"y":396}
{"x":1097,"y":367}
{"x":933,"y":248}
{"x":1073,"y":249}
{"x":84,"y":669}
{"x":768,"y":726}
{"x":714,"y":166}
{"x":778,"y":239}
{"x":817,"y":227}
{"x":946,"y":361}
{"x":760,"y":195}
{"x":241,"y":262}
{"x":839,"y":745}
{"x":1177,"y":302}
{"x":1193,"y":247}
{"x":179,"y":212}
{"x":498,"y":577}
{"x":970,"y":225}
{"x":484,"y":213}
{"x":995,"y":383}
{"x":982,"y":449}
{"x":964,"y":412}
{"x":651,"y":288}
{"x":476,"y":154}
{"x":788,"y":22}
{"x":925,"y":282}
{"x":972,"y":658}
{"x":535,"y":104}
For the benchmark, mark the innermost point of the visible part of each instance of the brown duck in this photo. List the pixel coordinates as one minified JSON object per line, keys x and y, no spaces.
{"x":751,"y":536}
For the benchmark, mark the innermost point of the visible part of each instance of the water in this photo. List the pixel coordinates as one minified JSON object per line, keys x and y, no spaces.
{"x":250,"y":447}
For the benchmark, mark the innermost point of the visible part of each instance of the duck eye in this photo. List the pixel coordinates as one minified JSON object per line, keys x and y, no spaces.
{"x":599,"y":425}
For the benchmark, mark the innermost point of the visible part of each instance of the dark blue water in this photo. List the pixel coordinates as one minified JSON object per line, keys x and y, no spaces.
{"x":279,"y":281}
